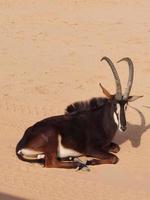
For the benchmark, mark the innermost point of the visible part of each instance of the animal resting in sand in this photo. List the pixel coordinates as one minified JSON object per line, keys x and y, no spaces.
{"x":86,"y":129}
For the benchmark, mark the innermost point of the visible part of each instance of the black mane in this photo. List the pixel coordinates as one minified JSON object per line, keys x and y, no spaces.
{"x":83,"y":106}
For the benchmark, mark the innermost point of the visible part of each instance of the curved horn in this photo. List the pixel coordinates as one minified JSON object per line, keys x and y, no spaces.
{"x":130,"y":79}
{"x":118,"y":95}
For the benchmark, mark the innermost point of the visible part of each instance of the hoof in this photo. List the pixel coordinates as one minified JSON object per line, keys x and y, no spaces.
{"x":81,"y":166}
{"x":115,"y":159}
{"x":114,"y":148}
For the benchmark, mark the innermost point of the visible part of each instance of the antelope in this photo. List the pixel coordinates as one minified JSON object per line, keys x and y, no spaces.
{"x":87,"y":128}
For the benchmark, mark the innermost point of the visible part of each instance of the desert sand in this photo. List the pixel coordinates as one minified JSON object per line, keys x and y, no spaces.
{"x":50,"y":55}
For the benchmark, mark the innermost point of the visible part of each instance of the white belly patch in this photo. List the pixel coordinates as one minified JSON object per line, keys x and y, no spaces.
{"x":65,"y":152}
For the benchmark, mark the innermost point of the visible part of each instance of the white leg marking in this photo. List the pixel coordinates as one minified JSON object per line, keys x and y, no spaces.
{"x":31,"y":154}
{"x":40,"y":156}
{"x":65,"y":152}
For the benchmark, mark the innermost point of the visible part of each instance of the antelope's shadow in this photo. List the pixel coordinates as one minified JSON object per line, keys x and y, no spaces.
{"x":4,"y":196}
{"x":134,"y":132}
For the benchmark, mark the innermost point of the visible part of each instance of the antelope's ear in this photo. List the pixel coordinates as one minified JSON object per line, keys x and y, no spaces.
{"x":107,"y":94}
{"x":133,"y":98}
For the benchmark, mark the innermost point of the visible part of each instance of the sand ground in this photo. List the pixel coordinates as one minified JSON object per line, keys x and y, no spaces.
{"x":49,"y":57}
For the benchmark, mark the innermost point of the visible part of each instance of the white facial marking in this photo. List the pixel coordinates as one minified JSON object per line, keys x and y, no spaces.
{"x":65,"y":152}
{"x":117,"y":115}
{"x":118,"y":109}
{"x":116,"y":119}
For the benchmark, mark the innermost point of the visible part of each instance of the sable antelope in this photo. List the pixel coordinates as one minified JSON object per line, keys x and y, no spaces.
{"x":87,"y":128}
